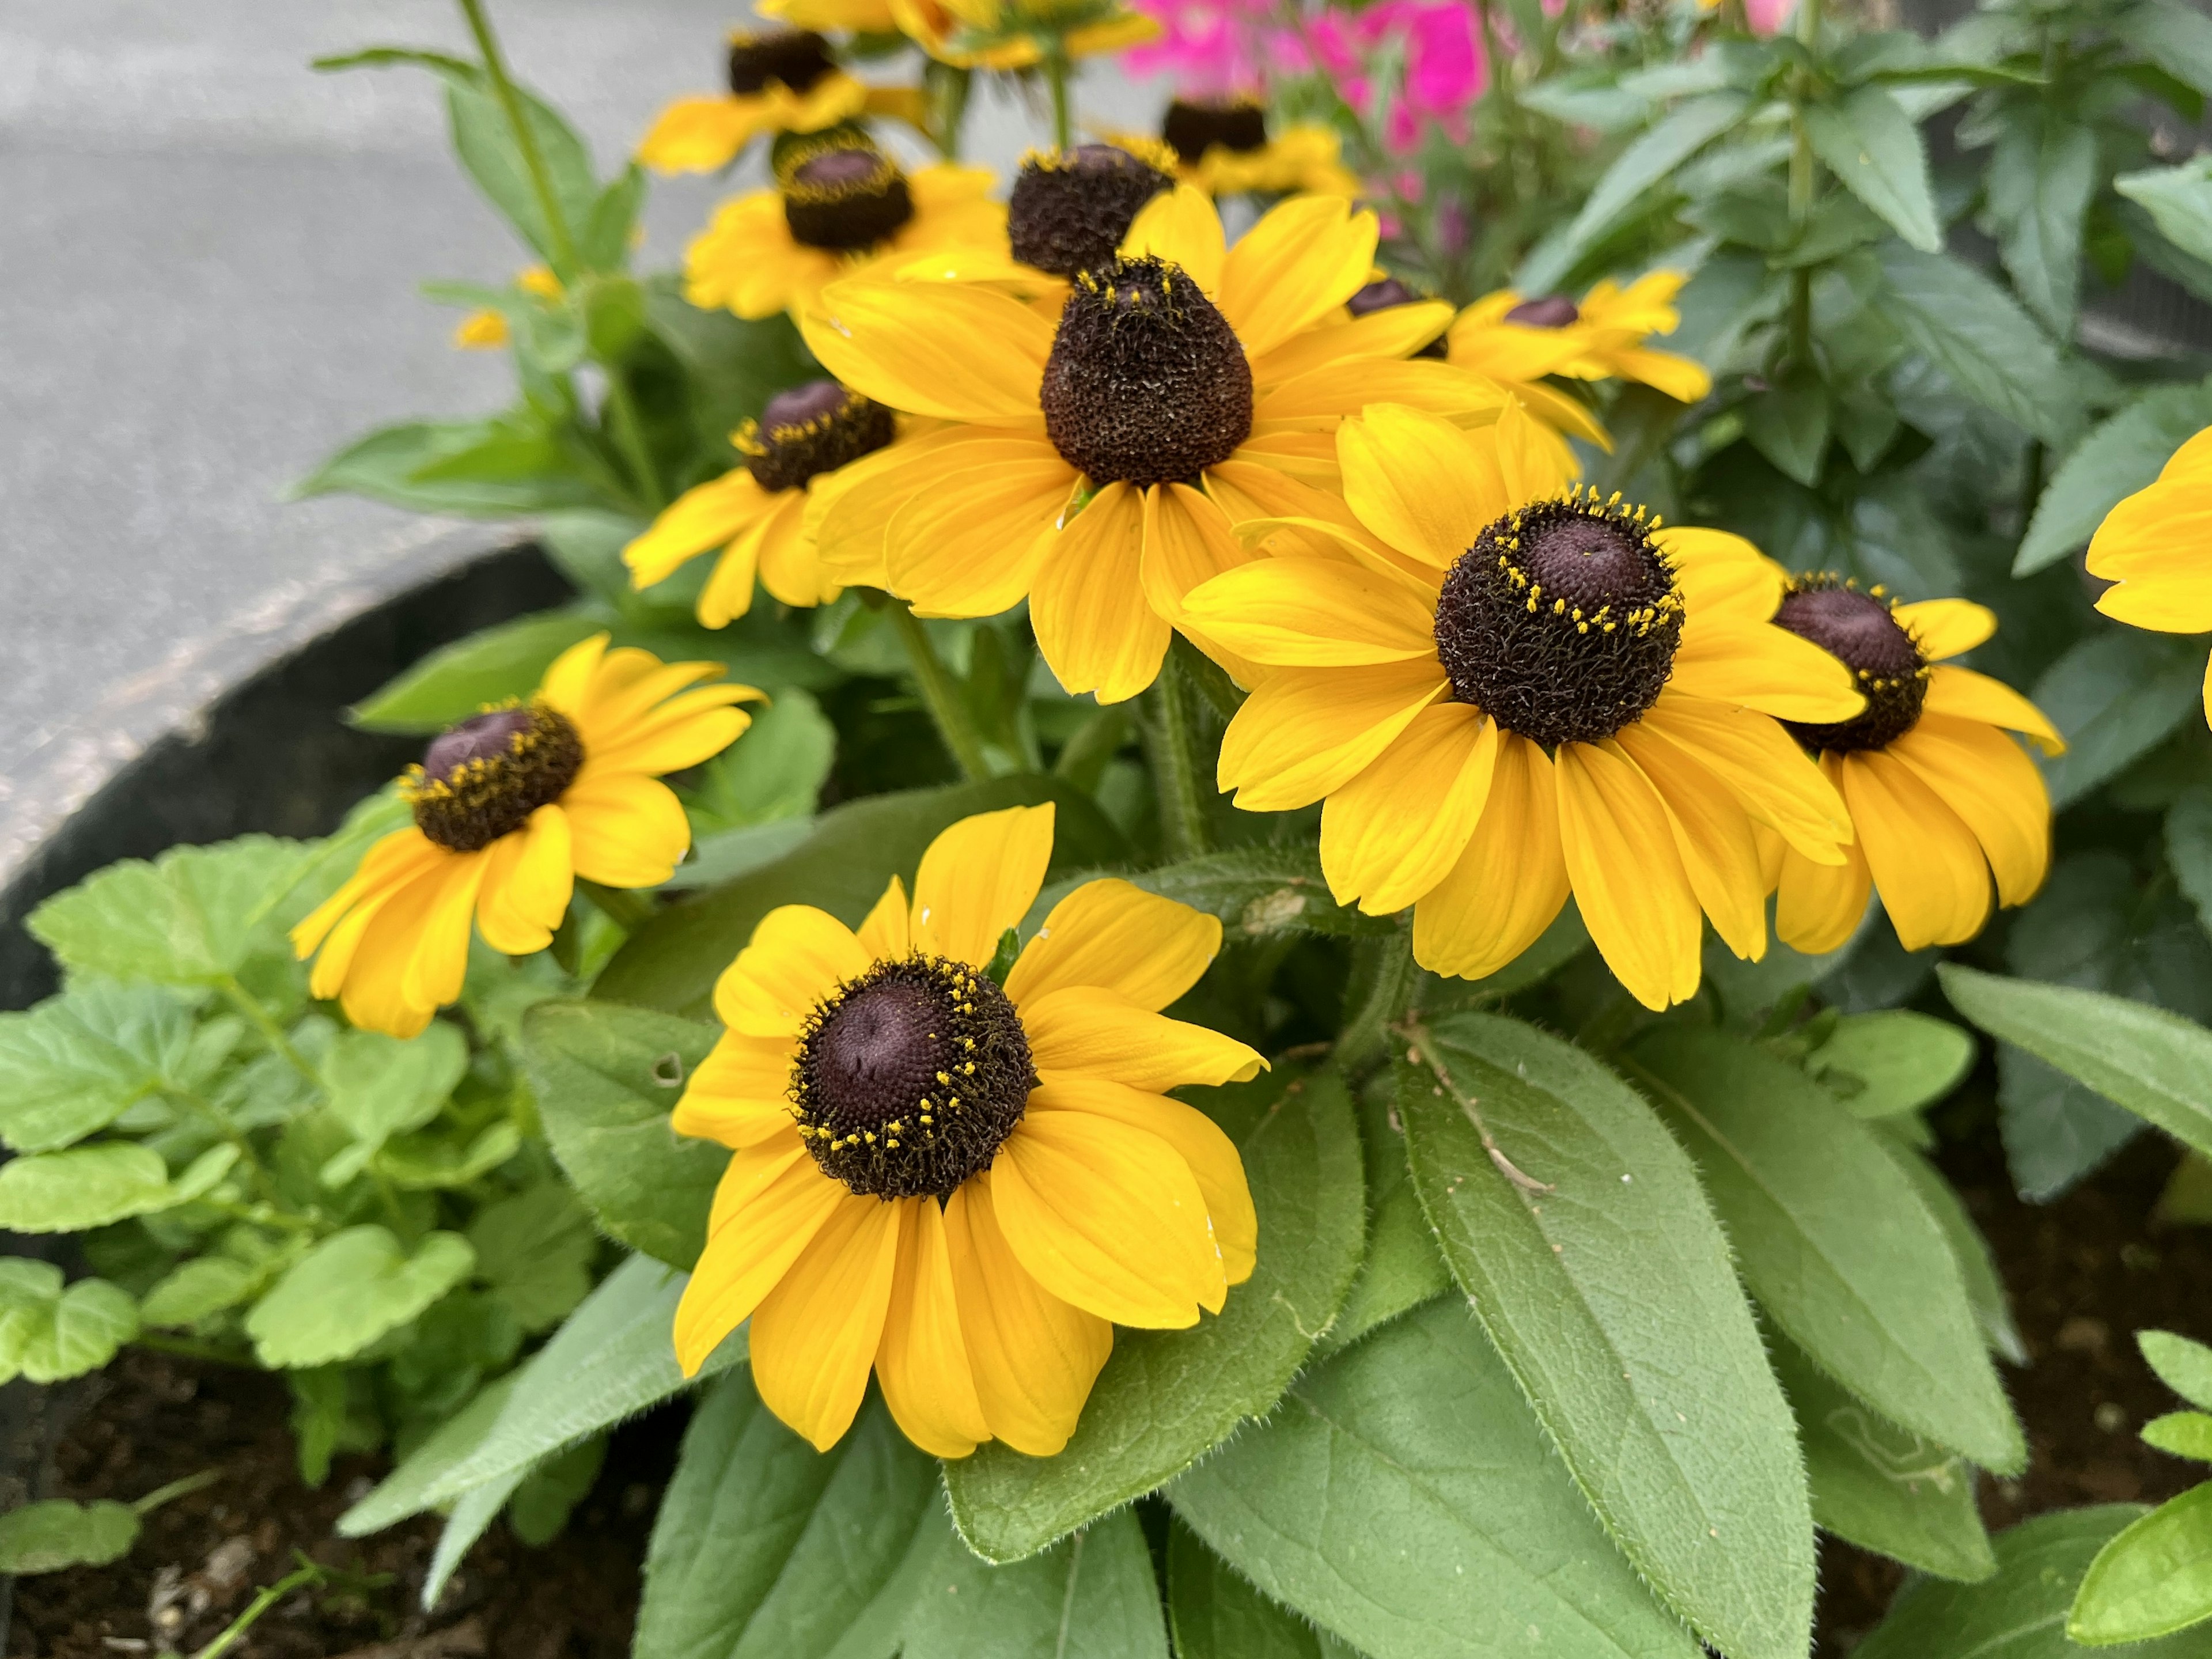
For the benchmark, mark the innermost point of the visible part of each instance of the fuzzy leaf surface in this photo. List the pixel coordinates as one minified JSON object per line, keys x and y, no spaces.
{"x":349,"y":1290}
{"x":1090,"y":1596}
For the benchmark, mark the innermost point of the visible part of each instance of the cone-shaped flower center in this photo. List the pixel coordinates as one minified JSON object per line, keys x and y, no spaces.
{"x":845,"y":197}
{"x":1192,"y":127}
{"x":1561,"y":621}
{"x":910,"y":1078}
{"x":1147,"y":383}
{"x":1858,"y":629}
{"x":1553,"y":311}
{"x":797,"y":57}
{"x":1070,"y":209}
{"x":1386,"y":293}
{"x":808,"y":429}
{"x":485,"y":777}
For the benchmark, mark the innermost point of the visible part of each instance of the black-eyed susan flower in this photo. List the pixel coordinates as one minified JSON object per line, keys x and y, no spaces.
{"x":1223,"y":146}
{"x":1941,"y":798}
{"x":756,"y":514}
{"x":2155,"y":548}
{"x":839,"y":203}
{"x":961,"y":1185}
{"x":511,"y":806}
{"x":486,"y":329}
{"x":1093,"y":463}
{"x":780,"y":80}
{"x":1505,"y":688}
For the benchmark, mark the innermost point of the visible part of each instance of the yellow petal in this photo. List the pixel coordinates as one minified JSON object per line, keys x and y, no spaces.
{"x":815,"y":1336}
{"x":439,"y":960}
{"x":1312,"y":612}
{"x":526,"y":884}
{"x":1117,"y":936}
{"x":1722,"y":575}
{"x":1317,"y":399}
{"x":1182,"y":225}
{"x":1759,"y":665}
{"x":972,"y":543}
{"x":884,"y":934}
{"x":1394,"y":332}
{"x":1510,"y":883}
{"x":786,"y":561}
{"x":625,"y":830}
{"x":1969,"y":696}
{"x":771,"y":1201}
{"x":395,"y":860}
{"x":1092,"y":1029}
{"x":1712,"y":836}
{"x":1926,"y":864}
{"x":740,"y":1094}
{"x":959,"y":353}
{"x":1680,"y":378}
{"x":1305,"y":258}
{"x":923,"y":1361}
{"x":850,"y":512}
{"x":705,"y":516}
{"x":796,"y":957}
{"x":1819,"y":906}
{"x":1762,"y":765}
{"x":1305,"y":731}
{"x":1987,"y":779}
{"x":685,"y":732}
{"x":571,"y":674}
{"x":1412,"y":479}
{"x":699,"y":135}
{"x":1095,"y":628}
{"x":978,"y":879}
{"x":1629,"y":881}
{"x":1394,"y":832}
{"x":1946,"y":628}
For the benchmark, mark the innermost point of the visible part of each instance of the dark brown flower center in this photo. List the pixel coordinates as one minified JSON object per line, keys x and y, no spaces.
{"x":1553,"y":311}
{"x":1147,"y":383}
{"x":1859,"y":630}
{"x":796,"y":57}
{"x":1386,"y":293}
{"x":910,"y":1078}
{"x":843,"y":198}
{"x":1070,"y":209}
{"x":485,"y":778}
{"x":1561,"y":621}
{"x":810,"y":429}
{"x":1192,"y":126}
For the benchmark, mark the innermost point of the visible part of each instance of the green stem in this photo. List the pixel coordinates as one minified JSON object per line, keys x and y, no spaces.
{"x":525,"y":141}
{"x":309,"y":1573}
{"x":206,"y":1109}
{"x":950,"y":87}
{"x":176,"y":1489}
{"x":1361,"y":1046}
{"x":629,"y":438}
{"x":1171,"y":745}
{"x":941,"y":694}
{"x":1056,"y":75}
{"x":265,"y":1023}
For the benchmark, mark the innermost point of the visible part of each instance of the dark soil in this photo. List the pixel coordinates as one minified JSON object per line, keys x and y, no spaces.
{"x":151,"y":1418}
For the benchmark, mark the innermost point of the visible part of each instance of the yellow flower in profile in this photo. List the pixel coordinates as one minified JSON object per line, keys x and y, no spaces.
{"x":839,"y":203}
{"x":1941,"y":796}
{"x":1506,"y":689}
{"x":780,"y":80}
{"x":486,"y":330}
{"x":756,"y":514}
{"x":511,"y":806}
{"x":1093,"y":464}
{"x":2155,"y":548}
{"x":963,"y":1187}
{"x":1223,"y":147}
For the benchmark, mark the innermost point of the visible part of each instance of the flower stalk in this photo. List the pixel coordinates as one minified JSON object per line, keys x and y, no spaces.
{"x":941,"y":694}
{"x":1171,"y":744}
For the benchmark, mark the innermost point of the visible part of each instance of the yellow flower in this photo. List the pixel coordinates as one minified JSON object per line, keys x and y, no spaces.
{"x":756,"y":514}
{"x":2155,"y":548}
{"x":1224,"y":148}
{"x":839,"y":203}
{"x":780,"y":80}
{"x":511,"y":806}
{"x":486,"y":330}
{"x":1184,"y":385}
{"x":961,"y":1187}
{"x":1939,"y":795}
{"x":1505,"y":689}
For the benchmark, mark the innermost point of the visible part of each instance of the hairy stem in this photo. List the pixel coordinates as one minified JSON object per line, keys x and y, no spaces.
{"x":1366,"y":1035}
{"x":1171,"y":745}
{"x":941,"y":694}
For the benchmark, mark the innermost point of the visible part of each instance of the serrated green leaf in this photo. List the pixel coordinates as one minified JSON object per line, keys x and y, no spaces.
{"x":48,"y":1332}
{"x":490,"y":666}
{"x":1091,"y":1596}
{"x":2152,"y":1580}
{"x":2183,"y":1365}
{"x":1973,"y":331}
{"x":1900,"y":1060}
{"x":535,"y":1250}
{"x":190,"y":917}
{"x":2157,"y":1065}
{"x":767,"y":1549}
{"x":606,"y":1079}
{"x":1166,"y":1398}
{"x":2115,"y":697}
{"x":2115,"y":458}
{"x":2179,"y":200}
{"x":1788,"y":423}
{"x":2043,"y":171}
{"x":380,"y":1086}
{"x":1870,"y":144}
{"x":777,"y":772}
{"x":2181,"y":1434}
{"x":1405,"y":1499}
{"x":2178,"y":39}
{"x":76,"y":1063}
{"x":87,"y":1187}
{"x":348,"y":1290}
{"x":1796,"y":1180}
{"x":1215,"y":1614}
{"x":54,"y":1533}
{"x":206,"y":1284}
{"x":1881,"y":1486}
{"x":1672,"y":1427}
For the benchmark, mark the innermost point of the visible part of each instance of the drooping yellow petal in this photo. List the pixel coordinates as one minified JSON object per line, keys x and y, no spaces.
{"x":1394,"y":331}
{"x":1033,"y":1356}
{"x":1634,"y":895}
{"x":1988,"y":780}
{"x":1946,"y":628}
{"x":439,"y":961}
{"x":1682,"y":378}
{"x":971,"y":545}
{"x":394,"y":860}
{"x":699,"y":135}
{"x":1100,"y":1033}
{"x":959,"y":353}
{"x":798,"y":954}
{"x":1108,"y":1217}
{"x":1412,"y":479}
{"x":527,"y":882}
{"x":1926,"y":864}
{"x":740,"y":1094}
{"x":1188,"y":541}
{"x":978,"y":879}
{"x":625,"y":830}
{"x":1301,"y":612}
{"x":1817,"y":907}
{"x":1510,"y":881}
{"x":1712,"y":836}
{"x":704,"y":516}
{"x":1115,"y":936}
{"x":815,"y":1336}
{"x":851,"y":512}
{"x":1394,"y":831}
{"x":1762,"y":765}
{"x":1317,"y":399}
{"x":1970,"y":696}
{"x":1095,"y":627}
{"x":1722,"y":575}
{"x":884,"y":934}
{"x":771,"y":1201}
{"x":1303,"y":733}
{"x":1182,"y":225}
{"x":1305,"y":258}
{"x":923,"y":1360}
{"x":1758,"y":665}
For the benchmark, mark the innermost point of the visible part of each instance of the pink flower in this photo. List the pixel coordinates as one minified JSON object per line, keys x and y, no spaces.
{"x":1445,"y":69}
{"x":1213,"y":48}
{"x":1767,"y":16}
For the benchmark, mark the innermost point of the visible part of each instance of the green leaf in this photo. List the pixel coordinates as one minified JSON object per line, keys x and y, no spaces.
{"x":1881,"y":1486}
{"x":724,"y":855}
{"x":2188,"y":848}
{"x":348,"y":1290}
{"x":380,"y":1086}
{"x":604,"y":239}
{"x":48,"y":1333}
{"x":606,"y":1079}
{"x":766,"y":1547}
{"x":2115,"y":458}
{"x":546,"y":1497}
{"x":49,"y":1536}
{"x":206,"y":1284}
{"x":1797,"y":1180}
{"x":2154,"y":1579}
{"x":87,"y":1187}
{"x":190,"y":917}
{"x":1978,"y":1265}
{"x":2181,"y":1434}
{"x":2155,"y":1064}
{"x":1788,"y":423}
{"x":440,"y":466}
{"x":535,"y":1250}
{"x":2043,"y":172}
{"x":1405,"y":1499}
{"x":672,"y":962}
{"x":76,"y":1063}
{"x":1261,"y":892}
{"x":2179,"y":201}
{"x":2115,"y":697}
{"x":733,"y":366}
{"x":2175,"y":38}
{"x":2183,"y":1365}
{"x":1166,"y":1398}
{"x":1973,"y":331}
{"x":1558,"y":1208}
{"x":1091,"y":1596}
{"x":458,"y":680}
{"x":1900,"y":1060}
{"x":454,"y":1440}
{"x":1402,"y":1267}
{"x":1215,"y":1614}
{"x":1870,"y":144}
{"x":776,"y":771}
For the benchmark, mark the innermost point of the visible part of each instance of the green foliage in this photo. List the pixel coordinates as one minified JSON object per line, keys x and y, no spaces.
{"x":1090,"y":1597}
{"x":54,"y":1533}
{"x":48,"y":1333}
{"x":2152,"y":1579}
{"x":348,"y":1290}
